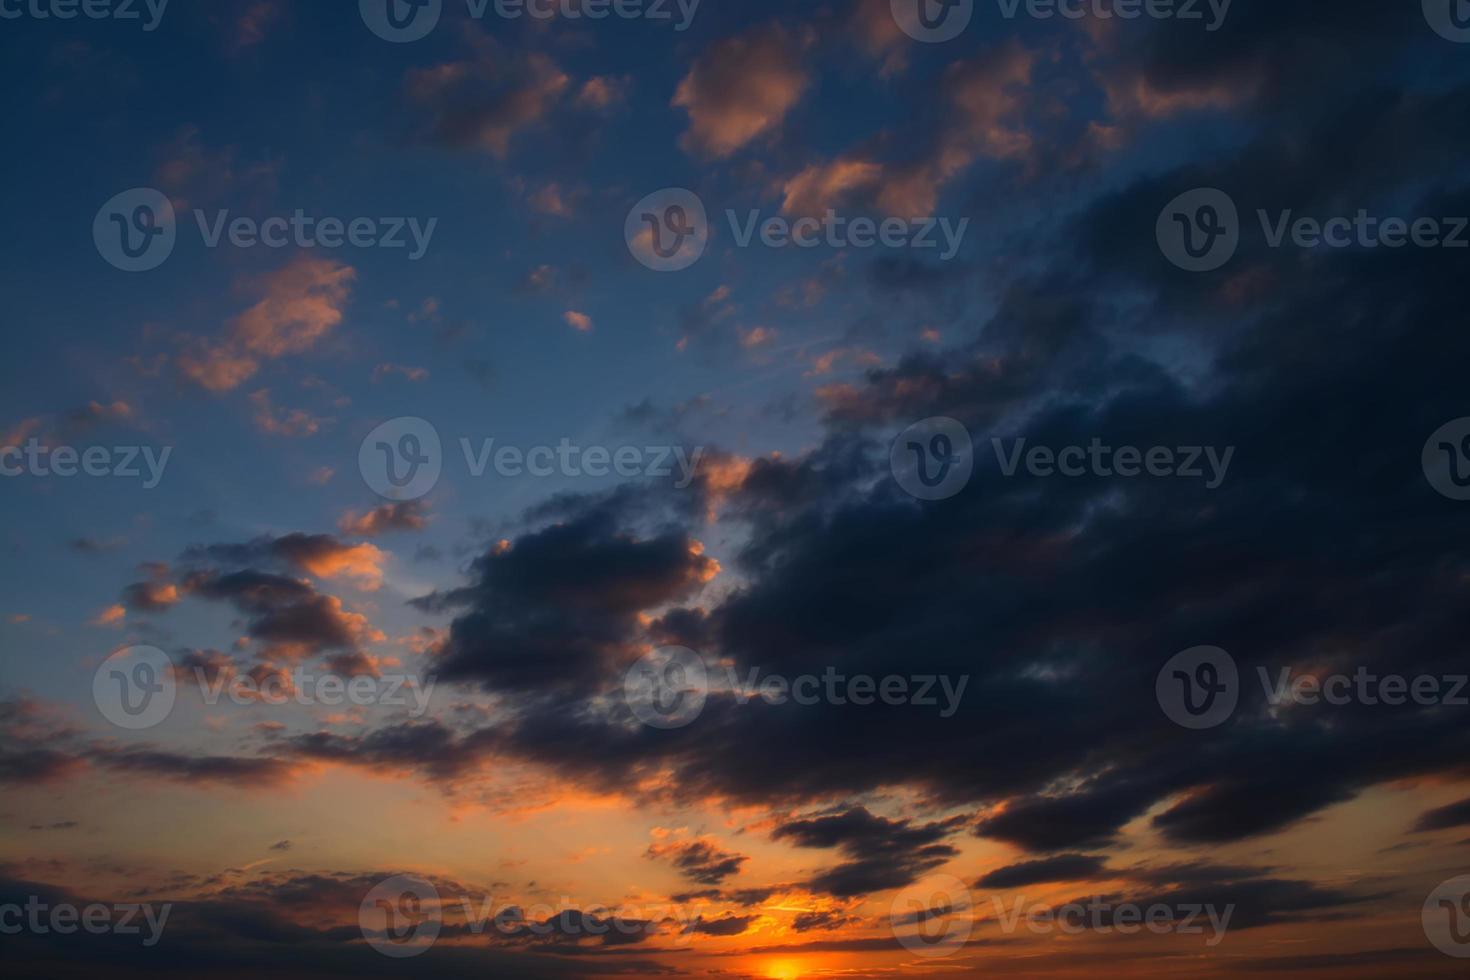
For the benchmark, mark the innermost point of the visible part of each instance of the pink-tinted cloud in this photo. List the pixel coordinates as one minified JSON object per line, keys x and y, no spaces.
{"x":740,"y":89}
{"x":298,"y":305}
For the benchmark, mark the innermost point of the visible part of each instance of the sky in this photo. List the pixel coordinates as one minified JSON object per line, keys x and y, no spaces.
{"x":854,"y":489}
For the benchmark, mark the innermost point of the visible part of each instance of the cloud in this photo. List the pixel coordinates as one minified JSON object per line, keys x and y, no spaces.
{"x":702,"y":861}
{"x":1445,"y":817}
{"x":739,"y":89}
{"x":484,"y":101}
{"x":1062,"y":867}
{"x":407,"y":515}
{"x":320,"y":555}
{"x":111,"y":616}
{"x":559,"y":607}
{"x":578,"y":321}
{"x":985,"y":100}
{"x":885,"y":853}
{"x":415,"y":374}
{"x":299,"y":304}
{"x":290,"y":422}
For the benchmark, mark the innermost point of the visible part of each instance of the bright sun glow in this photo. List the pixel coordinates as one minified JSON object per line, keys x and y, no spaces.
{"x":783,"y":971}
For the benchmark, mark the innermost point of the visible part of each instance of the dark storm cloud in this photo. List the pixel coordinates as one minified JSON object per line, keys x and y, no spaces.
{"x":426,"y":746}
{"x":824,"y":920}
{"x":1062,"y":598}
{"x":237,"y":770}
{"x":1062,"y":867}
{"x":744,"y":897}
{"x":300,"y":925}
{"x":559,"y":607}
{"x":885,"y":853}
{"x":730,"y":925}
{"x":700,"y":861}
{"x":1444,"y":817}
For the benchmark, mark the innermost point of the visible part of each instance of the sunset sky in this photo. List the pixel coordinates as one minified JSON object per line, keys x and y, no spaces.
{"x":765,"y":400}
